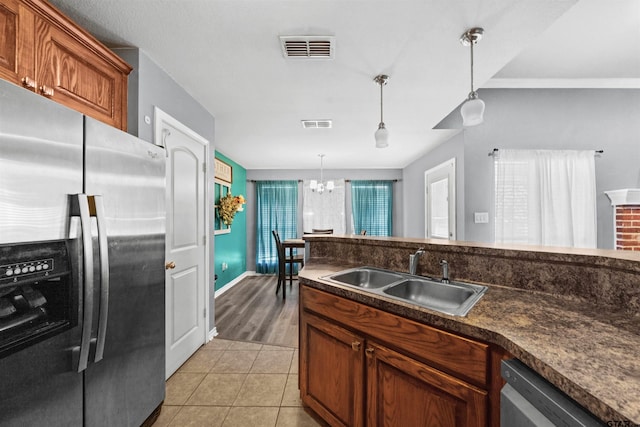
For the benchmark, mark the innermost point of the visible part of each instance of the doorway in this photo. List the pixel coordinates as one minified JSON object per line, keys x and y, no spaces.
{"x":186,"y":292}
{"x":440,"y":201}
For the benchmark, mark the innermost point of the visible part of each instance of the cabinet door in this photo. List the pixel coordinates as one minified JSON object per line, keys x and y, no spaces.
{"x":70,"y":73}
{"x":17,"y":62}
{"x":332,"y":371}
{"x":404,"y":392}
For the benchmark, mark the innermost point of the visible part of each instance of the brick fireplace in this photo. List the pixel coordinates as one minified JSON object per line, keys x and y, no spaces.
{"x":626,"y":205}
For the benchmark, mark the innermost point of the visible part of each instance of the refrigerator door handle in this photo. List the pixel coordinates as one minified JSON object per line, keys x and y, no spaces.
{"x":82,"y":210}
{"x":98,"y":206}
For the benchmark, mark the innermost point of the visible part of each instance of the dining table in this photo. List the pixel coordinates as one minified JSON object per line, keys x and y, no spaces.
{"x":290,"y":245}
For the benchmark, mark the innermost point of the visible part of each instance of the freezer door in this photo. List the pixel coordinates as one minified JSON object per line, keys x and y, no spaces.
{"x":40,"y":167}
{"x":127,"y":176}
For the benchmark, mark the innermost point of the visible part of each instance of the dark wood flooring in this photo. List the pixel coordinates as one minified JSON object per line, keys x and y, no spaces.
{"x":251,"y":311}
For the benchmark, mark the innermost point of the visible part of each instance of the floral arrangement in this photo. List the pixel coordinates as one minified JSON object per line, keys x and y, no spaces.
{"x":228,"y":207}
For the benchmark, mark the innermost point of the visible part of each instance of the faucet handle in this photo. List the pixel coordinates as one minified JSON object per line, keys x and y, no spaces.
{"x":443,"y":262}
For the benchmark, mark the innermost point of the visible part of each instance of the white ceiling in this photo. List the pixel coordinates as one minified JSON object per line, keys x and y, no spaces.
{"x":226,"y":54}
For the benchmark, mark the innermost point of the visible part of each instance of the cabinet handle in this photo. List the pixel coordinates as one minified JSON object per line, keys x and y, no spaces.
{"x":170,"y":265}
{"x":369,"y":352}
{"x":46,"y":91}
{"x":28,"y":82}
{"x":355,"y":345}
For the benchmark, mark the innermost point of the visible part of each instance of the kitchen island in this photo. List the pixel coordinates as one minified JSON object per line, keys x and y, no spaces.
{"x":570,"y":315}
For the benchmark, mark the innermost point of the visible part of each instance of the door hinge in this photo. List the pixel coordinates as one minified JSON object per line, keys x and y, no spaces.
{"x":204,"y":167}
{"x":204,"y":240}
{"x":204,"y":313}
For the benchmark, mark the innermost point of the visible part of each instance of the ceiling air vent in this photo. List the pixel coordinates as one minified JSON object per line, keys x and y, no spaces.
{"x":307,"y":47}
{"x":316,"y":124}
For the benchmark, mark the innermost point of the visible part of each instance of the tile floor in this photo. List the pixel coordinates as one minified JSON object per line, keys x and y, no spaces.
{"x":236,"y":384}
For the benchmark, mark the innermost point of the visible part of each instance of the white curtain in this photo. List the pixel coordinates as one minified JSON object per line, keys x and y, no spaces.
{"x":326,"y":210}
{"x":546,"y":197}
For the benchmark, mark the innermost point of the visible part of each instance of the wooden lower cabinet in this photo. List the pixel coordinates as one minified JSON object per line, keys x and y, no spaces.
{"x":350,"y":378}
{"x":332,"y":371}
{"x":404,"y":392}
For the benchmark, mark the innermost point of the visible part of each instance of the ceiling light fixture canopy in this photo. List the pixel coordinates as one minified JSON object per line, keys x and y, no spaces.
{"x":382,"y":134}
{"x":472,"y":109}
{"x":319,"y":187}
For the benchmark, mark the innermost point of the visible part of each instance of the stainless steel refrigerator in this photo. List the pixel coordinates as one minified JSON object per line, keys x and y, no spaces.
{"x":82,"y":229}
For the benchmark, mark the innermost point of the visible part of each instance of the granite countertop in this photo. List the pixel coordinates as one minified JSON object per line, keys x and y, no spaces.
{"x":588,"y":352}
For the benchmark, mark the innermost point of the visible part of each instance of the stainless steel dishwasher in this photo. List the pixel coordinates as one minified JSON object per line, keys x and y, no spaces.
{"x":528,"y":400}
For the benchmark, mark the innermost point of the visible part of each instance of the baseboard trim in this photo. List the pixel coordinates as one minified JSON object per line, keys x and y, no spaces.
{"x":232,"y":283}
{"x":213,"y":333}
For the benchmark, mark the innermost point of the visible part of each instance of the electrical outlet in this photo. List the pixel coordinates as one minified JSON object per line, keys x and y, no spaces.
{"x":224,"y":266}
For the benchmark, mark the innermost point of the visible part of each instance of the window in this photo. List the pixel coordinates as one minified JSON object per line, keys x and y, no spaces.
{"x":545,"y":197}
{"x":372,"y":204}
{"x":277,"y":209}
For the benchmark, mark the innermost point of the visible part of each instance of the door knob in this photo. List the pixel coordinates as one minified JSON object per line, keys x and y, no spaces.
{"x":170,"y":265}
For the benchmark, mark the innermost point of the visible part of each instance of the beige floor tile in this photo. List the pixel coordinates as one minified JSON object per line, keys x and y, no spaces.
{"x":166,"y":415}
{"x":272,"y":362}
{"x":291,"y":392}
{"x":294,"y":362}
{"x":235,"y":362}
{"x":200,"y":416}
{"x":217,"y":389}
{"x":266,"y":347}
{"x":252,"y":416}
{"x":296,"y":417}
{"x":240,"y":345}
{"x":218,"y":344}
{"x":202,"y":361}
{"x":180,"y":386}
{"x":262,"y":390}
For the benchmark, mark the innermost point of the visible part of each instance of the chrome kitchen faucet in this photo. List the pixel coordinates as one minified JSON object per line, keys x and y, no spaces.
{"x":413,"y":260}
{"x":445,"y":271}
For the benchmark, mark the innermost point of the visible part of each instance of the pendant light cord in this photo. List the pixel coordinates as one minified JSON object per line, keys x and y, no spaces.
{"x":471,"y":45}
{"x":381,"y":104}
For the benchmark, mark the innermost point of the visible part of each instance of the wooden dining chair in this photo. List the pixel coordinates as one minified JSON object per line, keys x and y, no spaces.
{"x":322,"y":230}
{"x":283,"y":261}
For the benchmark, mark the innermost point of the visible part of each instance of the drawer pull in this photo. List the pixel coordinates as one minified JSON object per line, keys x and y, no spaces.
{"x":355,"y":345}
{"x":46,"y":91}
{"x":28,"y":82}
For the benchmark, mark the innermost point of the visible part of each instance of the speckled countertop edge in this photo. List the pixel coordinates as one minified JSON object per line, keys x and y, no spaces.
{"x":590,"y":354}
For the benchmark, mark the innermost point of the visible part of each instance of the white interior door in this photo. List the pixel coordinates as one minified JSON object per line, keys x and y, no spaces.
{"x":186,"y":242}
{"x":440,"y":201}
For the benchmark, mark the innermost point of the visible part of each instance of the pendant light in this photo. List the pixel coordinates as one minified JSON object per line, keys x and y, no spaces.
{"x":473,"y":108}
{"x":319,"y":187}
{"x":382,"y":134}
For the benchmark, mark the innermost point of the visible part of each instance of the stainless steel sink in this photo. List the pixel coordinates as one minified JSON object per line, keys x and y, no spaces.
{"x":451,"y":298}
{"x":454,"y":298}
{"x":366,"y":277}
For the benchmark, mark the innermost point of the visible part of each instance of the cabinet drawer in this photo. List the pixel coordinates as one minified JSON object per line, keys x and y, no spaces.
{"x":464,"y":358}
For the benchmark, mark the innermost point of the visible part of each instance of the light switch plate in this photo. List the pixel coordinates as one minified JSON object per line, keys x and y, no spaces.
{"x":481,"y":217}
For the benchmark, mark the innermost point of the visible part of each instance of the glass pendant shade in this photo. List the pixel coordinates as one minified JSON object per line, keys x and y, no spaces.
{"x":320,"y":186}
{"x":382,"y":136}
{"x":472,"y":112}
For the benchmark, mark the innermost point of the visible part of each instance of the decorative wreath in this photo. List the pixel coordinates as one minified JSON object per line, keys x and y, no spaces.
{"x":228,"y":207}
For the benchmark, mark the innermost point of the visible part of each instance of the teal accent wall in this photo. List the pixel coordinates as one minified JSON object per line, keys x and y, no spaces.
{"x":231,"y":248}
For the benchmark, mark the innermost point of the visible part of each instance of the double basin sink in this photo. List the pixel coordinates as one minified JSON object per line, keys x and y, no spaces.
{"x":454,"y":298}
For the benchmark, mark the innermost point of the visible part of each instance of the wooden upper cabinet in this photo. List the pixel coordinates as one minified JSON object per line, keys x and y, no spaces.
{"x":45,"y":52}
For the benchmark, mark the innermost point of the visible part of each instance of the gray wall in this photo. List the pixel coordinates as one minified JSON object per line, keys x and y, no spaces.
{"x":328,"y":174}
{"x":151,"y":86}
{"x":546,"y":119}
{"x":414,"y":191}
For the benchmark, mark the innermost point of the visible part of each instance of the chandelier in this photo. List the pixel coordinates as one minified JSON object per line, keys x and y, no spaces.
{"x":320,"y":186}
